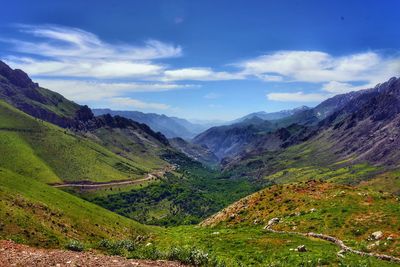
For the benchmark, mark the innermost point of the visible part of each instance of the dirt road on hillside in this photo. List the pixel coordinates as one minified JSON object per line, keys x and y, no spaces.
{"x":85,"y":184}
{"x":12,"y":254}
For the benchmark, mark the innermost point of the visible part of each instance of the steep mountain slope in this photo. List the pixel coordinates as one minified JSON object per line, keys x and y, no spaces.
{"x":51,"y":154}
{"x":171,"y":127}
{"x":130,"y":139}
{"x":197,"y":152}
{"x":367,"y":128}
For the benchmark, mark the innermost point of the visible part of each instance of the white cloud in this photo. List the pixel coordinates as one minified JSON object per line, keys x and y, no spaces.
{"x":297,"y":97}
{"x":59,"y":41}
{"x":132,"y":104}
{"x":341,"y":88}
{"x":82,"y":91}
{"x":200,"y":74}
{"x":72,"y":52}
{"x":321,"y":67}
{"x":86,"y":68}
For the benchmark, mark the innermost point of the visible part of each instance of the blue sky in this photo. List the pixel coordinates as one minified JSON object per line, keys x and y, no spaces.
{"x":202,"y":59}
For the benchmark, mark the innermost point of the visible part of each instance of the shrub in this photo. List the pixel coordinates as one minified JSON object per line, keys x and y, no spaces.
{"x":193,"y":256}
{"x":75,"y":245}
{"x":120,"y":247}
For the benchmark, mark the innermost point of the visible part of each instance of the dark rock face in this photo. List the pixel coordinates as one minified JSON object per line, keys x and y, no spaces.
{"x":84,"y":114}
{"x":16,"y":77}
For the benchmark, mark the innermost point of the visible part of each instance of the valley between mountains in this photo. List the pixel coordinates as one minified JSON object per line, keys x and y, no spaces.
{"x":148,"y":189}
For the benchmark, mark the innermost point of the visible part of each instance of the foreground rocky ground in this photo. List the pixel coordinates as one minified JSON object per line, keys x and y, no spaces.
{"x":13,"y":254}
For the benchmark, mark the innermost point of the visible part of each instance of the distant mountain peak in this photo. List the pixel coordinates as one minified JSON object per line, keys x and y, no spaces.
{"x":272,"y":115}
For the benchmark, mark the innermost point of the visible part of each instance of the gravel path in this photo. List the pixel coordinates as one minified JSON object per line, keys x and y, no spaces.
{"x":12,"y":254}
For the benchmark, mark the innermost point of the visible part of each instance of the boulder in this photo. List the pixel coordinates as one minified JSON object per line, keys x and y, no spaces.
{"x":377,"y":235}
{"x":273,"y":221}
{"x":301,"y":248}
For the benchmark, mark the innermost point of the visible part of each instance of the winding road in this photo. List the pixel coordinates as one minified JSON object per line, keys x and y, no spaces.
{"x":91,"y":185}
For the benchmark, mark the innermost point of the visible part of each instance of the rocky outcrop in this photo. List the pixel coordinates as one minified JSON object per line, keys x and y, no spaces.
{"x":16,"y":77}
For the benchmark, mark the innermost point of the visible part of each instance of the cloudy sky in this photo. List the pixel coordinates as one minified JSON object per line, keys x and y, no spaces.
{"x":202,"y":59}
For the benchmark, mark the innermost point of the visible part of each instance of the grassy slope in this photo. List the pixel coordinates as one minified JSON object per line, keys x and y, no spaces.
{"x":349,"y":213}
{"x":56,"y":103}
{"x":252,"y":246}
{"x":38,"y":214}
{"x":50,"y":154}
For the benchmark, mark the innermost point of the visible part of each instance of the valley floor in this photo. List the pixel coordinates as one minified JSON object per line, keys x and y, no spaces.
{"x":13,"y":254}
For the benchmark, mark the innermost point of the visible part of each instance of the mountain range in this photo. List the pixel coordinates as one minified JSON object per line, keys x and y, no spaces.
{"x":169,"y":126}
{"x":252,"y":135}
{"x":308,"y":181}
{"x":270,"y":116}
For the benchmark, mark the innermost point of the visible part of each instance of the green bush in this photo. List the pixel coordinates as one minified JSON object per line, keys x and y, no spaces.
{"x":120,"y":247}
{"x":75,"y":245}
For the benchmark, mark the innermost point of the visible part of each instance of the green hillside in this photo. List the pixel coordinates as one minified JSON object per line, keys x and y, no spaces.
{"x":50,"y":154}
{"x":37,"y":214}
{"x":349,"y":213}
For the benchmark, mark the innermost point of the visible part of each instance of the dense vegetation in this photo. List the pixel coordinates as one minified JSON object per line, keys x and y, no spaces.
{"x":186,"y":196}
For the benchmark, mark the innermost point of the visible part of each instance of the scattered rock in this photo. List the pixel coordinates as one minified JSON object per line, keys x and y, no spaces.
{"x":273,"y":221}
{"x":313,"y":210}
{"x":377,"y":235}
{"x":215,"y":233}
{"x":301,"y":248}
